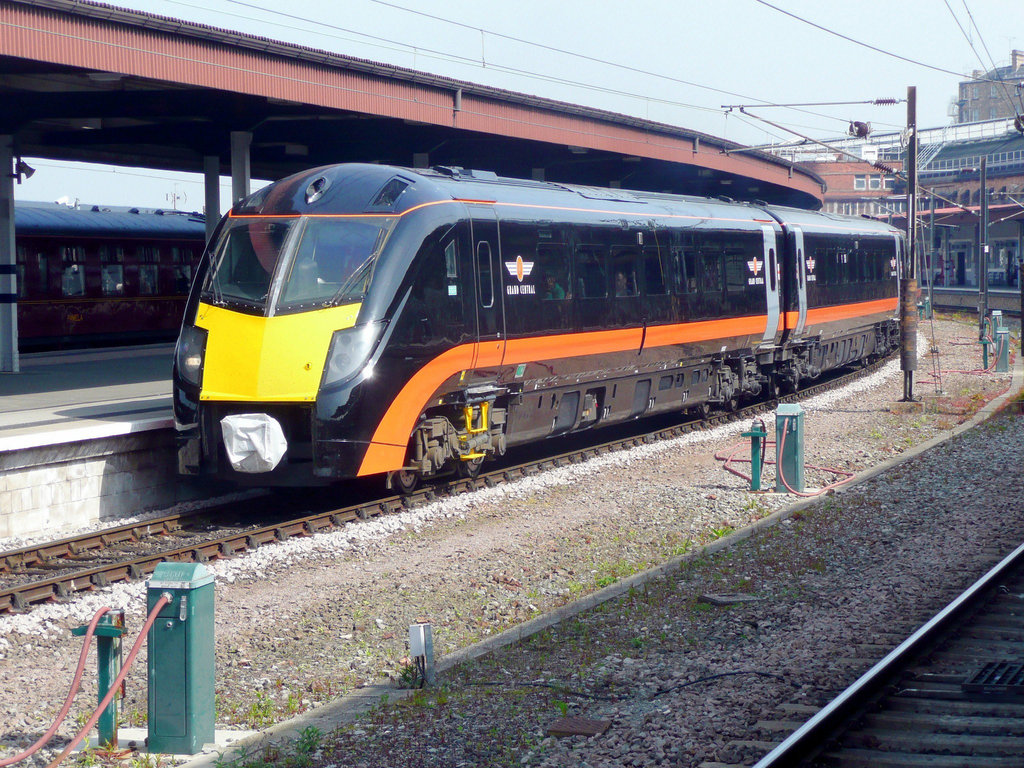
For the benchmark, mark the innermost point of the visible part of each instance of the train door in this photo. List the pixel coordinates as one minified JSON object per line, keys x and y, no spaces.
{"x":771,"y":286}
{"x":796,"y":330}
{"x":487,"y":274}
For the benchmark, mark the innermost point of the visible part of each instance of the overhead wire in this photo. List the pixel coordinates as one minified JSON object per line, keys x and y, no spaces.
{"x":870,"y":46}
{"x":583,"y":56}
{"x":446,"y":56}
{"x":432,"y":53}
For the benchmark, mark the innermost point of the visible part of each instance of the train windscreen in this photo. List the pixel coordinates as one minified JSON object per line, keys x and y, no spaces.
{"x":332,"y":261}
{"x":315,"y":261}
{"x":243,"y":263}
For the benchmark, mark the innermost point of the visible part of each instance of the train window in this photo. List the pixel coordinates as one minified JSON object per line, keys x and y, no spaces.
{"x":332,"y":262}
{"x":591,"y":276}
{"x":149,"y":280}
{"x":244,"y":260}
{"x":552,"y":272}
{"x":182,"y":278}
{"x":111,"y":270}
{"x":710,"y":271}
{"x":451,"y":261}
{"x":655,"y":272}
{"x":771,"y":269}
{"x":72,"y":270}
{"x":625,"y":268}
{"x":684,"y":262}
{"x":485,"y":273}
{"x":735,"y":271}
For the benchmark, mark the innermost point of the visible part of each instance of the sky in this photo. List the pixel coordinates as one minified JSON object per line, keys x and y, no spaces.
{"x":674,"y":61}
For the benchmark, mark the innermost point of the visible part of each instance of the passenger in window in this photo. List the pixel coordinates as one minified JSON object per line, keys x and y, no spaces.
{"x":622,"y":285}
{"x":554,"y":290}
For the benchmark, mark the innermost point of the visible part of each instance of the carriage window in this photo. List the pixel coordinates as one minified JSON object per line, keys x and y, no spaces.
{"x":22,"y":289}
{"x":111,"y":270}
{"x":148,"y":280}
{"x":591,"y":278}
{"x":655,"y":272}
{"x":625,"y":269}
{"x":483,"y":260}
{"x":553,"y":267}
{"x":711,"y":271}
{"x":735,"y":270}
{"x":182,"y":278}
{"x":684,"y":260}
{"x":451,"y":262}
{"x":73,"y":271}
{"x":149,"y":272}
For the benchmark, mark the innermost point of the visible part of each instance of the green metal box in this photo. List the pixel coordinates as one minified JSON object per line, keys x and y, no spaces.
{"x":789,"y":447}
{"x":181,"y":659}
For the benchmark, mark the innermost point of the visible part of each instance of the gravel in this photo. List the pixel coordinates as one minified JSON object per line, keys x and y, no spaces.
{"x":304,"y":621}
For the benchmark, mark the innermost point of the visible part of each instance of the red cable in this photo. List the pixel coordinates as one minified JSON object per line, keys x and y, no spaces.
{"x":75,"y":683}
{"x":164,"y":600}
{"x":782,"y":477}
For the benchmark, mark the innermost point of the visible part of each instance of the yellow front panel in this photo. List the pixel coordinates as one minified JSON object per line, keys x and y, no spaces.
{"x":268,"y":359}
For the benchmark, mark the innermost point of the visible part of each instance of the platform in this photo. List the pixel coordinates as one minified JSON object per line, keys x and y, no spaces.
{"x":87,"y":436}
{"x":65,"y":396}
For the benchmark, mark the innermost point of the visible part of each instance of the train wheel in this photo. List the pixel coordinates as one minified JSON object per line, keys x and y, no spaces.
{"x":701,"y":411}
{"x":772,"y":389}
{"x":469,"y":468}
{"x":405,"y":481}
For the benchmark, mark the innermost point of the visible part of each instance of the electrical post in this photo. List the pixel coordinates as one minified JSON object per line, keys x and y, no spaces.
{"x":983,"y":253}
{"x":908,"y":277}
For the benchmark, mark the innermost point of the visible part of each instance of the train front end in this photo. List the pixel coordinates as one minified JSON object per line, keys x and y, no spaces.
{"x":276,"y":317}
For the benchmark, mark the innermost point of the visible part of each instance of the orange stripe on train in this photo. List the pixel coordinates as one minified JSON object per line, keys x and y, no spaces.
{"x":386,"y":451}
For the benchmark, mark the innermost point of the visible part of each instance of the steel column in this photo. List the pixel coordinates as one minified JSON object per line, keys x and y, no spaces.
{"x":8,"y":263}
{"x":240,"y":174}
{"x":211,"y":177}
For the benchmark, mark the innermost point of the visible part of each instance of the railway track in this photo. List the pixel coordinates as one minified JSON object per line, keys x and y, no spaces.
{"x":950,"y":695}
{"x":81,"y":563}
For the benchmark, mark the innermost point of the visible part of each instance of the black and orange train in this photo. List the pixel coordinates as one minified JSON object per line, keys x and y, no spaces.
{"x":360,"y":320}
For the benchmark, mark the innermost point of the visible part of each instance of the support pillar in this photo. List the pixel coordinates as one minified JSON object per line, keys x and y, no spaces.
{"x":240,"y":174}
{"x":8,"y":262}
{"x":211,"y":177}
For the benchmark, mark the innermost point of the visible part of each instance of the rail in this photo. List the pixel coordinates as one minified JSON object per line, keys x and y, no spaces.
{"x":22,"y":597}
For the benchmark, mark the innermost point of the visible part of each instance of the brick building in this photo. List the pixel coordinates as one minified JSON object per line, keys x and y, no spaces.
{"x":990,"y":100}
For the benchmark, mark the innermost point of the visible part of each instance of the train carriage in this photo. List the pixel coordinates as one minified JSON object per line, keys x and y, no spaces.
{"x":363,"y":320}
{"x":90,"y":276}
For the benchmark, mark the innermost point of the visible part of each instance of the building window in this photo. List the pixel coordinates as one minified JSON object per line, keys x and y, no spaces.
{"x":860,"y":182}
{"x":889,"y":182}
{"x":974,"y":91}
{"x":875,"y":182}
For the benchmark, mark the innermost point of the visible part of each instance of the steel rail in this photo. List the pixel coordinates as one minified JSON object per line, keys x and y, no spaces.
{"x":812,"y":736}
{"x":63,"y":587}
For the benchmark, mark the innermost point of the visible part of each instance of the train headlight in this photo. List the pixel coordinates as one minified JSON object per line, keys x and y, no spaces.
{"x":349,"y":351}
{"x":188,"y":354}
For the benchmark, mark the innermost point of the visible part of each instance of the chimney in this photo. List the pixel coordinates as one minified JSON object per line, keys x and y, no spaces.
{"x":1016,"y":60}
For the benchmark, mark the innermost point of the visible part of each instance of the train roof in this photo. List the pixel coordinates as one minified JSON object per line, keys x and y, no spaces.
{"x":48,"y":219}
{"x":374,"y":189}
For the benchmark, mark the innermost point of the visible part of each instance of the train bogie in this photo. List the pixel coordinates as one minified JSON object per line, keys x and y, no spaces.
{"x":414,"y":323}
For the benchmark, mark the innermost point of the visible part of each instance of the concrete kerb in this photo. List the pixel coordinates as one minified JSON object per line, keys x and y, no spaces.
{"x":351,"y":707}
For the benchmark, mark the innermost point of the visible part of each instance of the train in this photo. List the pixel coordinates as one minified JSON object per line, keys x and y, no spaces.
{"x":363,"y":320}
{"x":92,"y":276}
